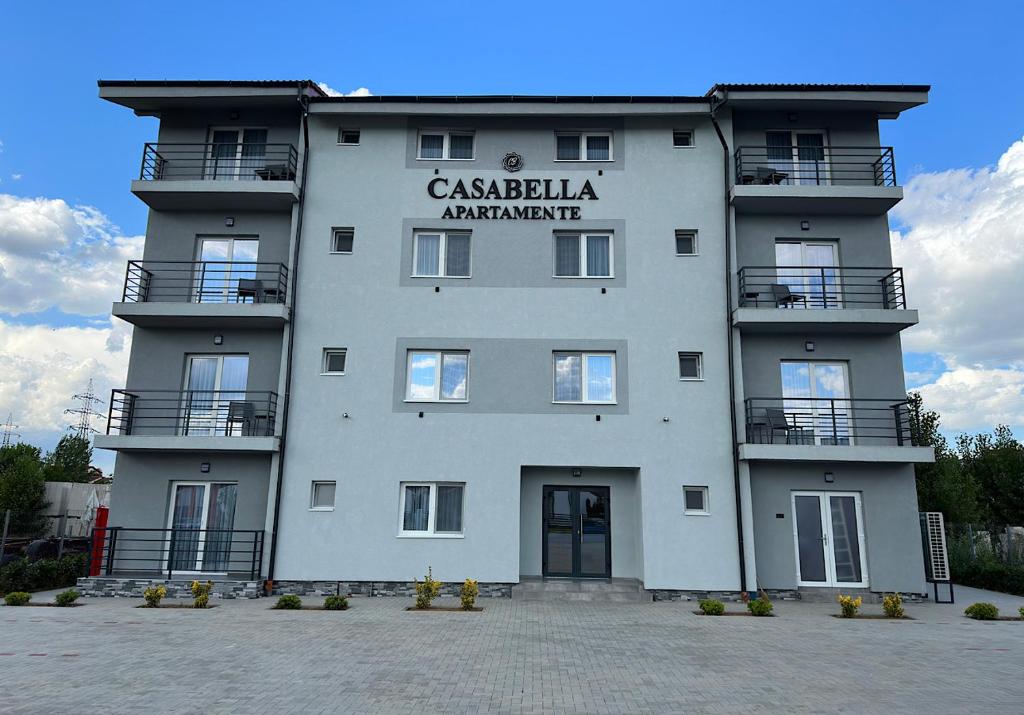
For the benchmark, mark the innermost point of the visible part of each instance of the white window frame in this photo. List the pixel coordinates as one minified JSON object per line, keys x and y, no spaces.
{"x":442,"y":259}
{"x":438,"y":370}
{"x":706,"y":511}
{"x":583,"y":376}
{"x":324,"y":361}
{"x":334,"y":235}
{"x":446,"y":144}
{"x":796,"y":175}
{"x":696,"y":241}
{"x":693,"y":138}
{"x":700,"y":365}
{"x":342,"y":130}
{"x":312,"y":495}
{"x":201,"y":538}
{"x":581,"y":236}
{"x":582,"y":136}
{"x":825,"y":506}
{"x":431,"y":532}
{"x":238,"y":158}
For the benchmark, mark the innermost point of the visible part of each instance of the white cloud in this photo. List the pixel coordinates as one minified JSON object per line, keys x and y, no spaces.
{"x":16,"y":177}
{"x":977,"y":399}
{"x":331,"y":92}
{"x":56,"y":255}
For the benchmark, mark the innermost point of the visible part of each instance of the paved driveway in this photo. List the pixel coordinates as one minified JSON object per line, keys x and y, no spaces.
{"x":514,"y":657}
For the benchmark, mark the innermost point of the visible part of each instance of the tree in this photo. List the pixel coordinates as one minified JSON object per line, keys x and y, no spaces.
{"x":69,"y":461}
{"x":9,"y":454}
{"x":22,"y":491}
{"x":996,"y":463}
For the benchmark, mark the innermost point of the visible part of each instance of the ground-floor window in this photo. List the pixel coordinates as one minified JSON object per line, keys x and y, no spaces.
{"x":431,"y":509}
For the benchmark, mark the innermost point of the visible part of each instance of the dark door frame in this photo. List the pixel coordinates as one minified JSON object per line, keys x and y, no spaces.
{"x":574,"y":508}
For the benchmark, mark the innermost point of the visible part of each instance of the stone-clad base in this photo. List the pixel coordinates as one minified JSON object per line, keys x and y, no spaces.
{"x":176,"y":588}
{"x":814,"y":595}
{"x":380,"y":588}
{"x":724,"y":596}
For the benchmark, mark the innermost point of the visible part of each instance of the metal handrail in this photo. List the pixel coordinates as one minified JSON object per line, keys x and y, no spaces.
{"x":126,"y":550}
{"x":827,"y":421}
{"x":795,"y":165}
{"x":205,"y":282}
{"x":821,"y":287}
{"x":217,"y":161}
{"x":193,"y":413}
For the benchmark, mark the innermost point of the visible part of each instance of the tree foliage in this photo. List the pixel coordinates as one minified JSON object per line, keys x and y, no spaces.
{"x":22,"y":490}
{"x":69,"y":460}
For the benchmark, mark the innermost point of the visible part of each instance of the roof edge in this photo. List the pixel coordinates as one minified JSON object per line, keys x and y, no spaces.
{"x":301,"y":83}
{"x":818,"y":88}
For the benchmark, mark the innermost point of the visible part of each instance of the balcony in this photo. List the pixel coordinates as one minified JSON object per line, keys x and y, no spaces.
{"x":815,"y":179}
{"x":830,"y":430}
{"x":204,"y":294}
{"x":191,"y":421}
{"x":165,"y":553}
{"x":824,"y":299}
{"x":248,"y":176}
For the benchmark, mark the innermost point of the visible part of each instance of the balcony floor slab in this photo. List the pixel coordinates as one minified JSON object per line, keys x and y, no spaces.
{"x":864,"y":200}
{"x":207,"y":195}
{"x":177,"y":443}
{"x":890,"y":454}
{"x":852,"y":320}
{"x":202,"y":315}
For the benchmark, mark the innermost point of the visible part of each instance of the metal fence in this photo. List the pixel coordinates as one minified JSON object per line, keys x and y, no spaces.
{"x":126,"y":551}
{"x":219,"y":161}
{"x":827,"y":421}
{"x":197,"y":413}
{"x":204,"y":282}
{"x":815,"y":165}
{"x":821,"y":287}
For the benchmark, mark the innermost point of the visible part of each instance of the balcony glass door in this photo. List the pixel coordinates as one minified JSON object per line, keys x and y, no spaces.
{"x":828,"y":533}
{"x":798,"y":157}
{"x":236,"y":154}
{"x":202,"y":515}
{"x":809,"y":270}
{"x":815,"y":399}
{"x":214,"y":400}
{"x":577,"y":532}
{"x":223,"y":262}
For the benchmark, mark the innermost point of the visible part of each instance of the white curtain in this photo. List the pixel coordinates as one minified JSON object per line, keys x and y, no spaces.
{"x":428,"y":254}
{"x":567,"y":147}
{"x":599,"y":148}
{"x":431,"y":146}
{"x":417,"y":508}
{"x":217,"y":548}
{"x":598,"y":256}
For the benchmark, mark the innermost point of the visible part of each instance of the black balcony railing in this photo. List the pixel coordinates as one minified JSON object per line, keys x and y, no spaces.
{"x":219,"y":162}
{"x":192,"y":413}
{"x":827,"y":421}
{"x":815,"y":165}
{"x":119,"y":550}
{"x":821,"y":287}
{"x":204,"y":282}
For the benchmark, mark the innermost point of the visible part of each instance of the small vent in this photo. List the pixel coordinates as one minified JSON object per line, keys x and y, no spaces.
{"x":936,"y":534}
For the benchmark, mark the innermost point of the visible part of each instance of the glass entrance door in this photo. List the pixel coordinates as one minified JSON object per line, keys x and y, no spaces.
{"x":577,"y":532}
{"x":815,"y":399}
{"x":236,"y":153}
{"x":809,"y":269}
{"x":212,"y":384}
{"x":222,"y":263}
{"x":829,"y":535}
{"x":202,"y":515}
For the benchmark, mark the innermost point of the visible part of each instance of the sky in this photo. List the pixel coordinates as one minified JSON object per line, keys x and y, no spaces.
{"x":68,"y":223}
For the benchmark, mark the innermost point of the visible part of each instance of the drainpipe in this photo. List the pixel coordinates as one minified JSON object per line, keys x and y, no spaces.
{"x":729,"y":333}
{"x":293,"y":291}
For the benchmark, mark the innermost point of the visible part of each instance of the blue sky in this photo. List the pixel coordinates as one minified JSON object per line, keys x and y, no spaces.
{"x":76,"y":154}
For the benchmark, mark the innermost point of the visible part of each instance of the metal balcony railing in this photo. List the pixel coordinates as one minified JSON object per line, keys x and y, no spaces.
{"x":821,"y":287}
{"x":218,"y":162}
{"x":204,"y":282}
{"x":815,"y":165}
{"x":192,"y":413}
{"x":120,"y":551}
{"x":827,"y":421}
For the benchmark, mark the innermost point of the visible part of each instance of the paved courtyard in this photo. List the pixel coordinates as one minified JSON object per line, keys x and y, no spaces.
{"x":514,"y":657}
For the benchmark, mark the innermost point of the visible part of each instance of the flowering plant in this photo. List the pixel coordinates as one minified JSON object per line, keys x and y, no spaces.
{"x":850,"y":605}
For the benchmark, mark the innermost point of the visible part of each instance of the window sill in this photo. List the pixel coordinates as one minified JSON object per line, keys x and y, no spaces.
{"x":345,"y":144}
{"x":340,"y":253}
{"x":696,"y":513}
{"x":435,"y":402}
{"x":427,"y":158}
{"x":585,"y":161}
{"x":585,"y":278}
{"x":321,"y":508}
{"x":562,"y":402}
{"x":464,"y":278}
{"x":691,"y":379}
{"x":326,"y":374}
{"x":429,"y":536}
{"x":687,"y":255}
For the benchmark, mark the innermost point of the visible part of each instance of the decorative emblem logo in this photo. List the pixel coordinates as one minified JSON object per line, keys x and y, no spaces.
{"x":513,"y":161}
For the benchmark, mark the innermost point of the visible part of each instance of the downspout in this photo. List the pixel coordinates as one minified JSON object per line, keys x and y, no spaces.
{"x":293,"y":291}
{"x":729,"y":338}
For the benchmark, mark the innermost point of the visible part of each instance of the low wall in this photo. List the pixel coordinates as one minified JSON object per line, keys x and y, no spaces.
{"x":176,"y":588}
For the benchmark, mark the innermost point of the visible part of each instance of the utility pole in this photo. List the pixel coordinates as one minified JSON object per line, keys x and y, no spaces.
{"x":8,"y":431}
{"x":86,"y":413}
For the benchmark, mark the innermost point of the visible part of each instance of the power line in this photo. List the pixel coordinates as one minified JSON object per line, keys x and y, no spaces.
{"x":9,"y":432}
{"x":86,"y":413}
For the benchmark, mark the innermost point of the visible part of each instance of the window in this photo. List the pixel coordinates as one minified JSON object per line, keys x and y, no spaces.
{"x":686,"y":243}
{"x":691,"y":366}
{"x":342,"y":239}
{"x":682,"y":138}
{"x":431,"y":509}
{"x":583,"y":146}
{"x":348,"y":136}
{"x":584,"y":377}
{"x":437,"y":376}
{"x":695,"y":500}
{"x":334,"y":361}
{"x":440,"y":254}
{"x":583,"y":255}
{"x":322,"y":496}
{"x":442,"y":144}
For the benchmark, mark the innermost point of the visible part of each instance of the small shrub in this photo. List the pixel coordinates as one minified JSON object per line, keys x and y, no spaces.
{"x":849,"y":605}
{"x":468,"y":593}
{"x":1021,"y":611}
{"x":67,"y":598}
{"x":335,"y":603}
{"x":892,"y":606}
{"x":289,"y":602}
{"x":711,"y":607}
{"x":201,"y":594}
{"x":982,"y":611}
{"x":17,"y":598}
{"x":153,"y":595}
{"x":760,"y":606}
{"x":427,"y":590}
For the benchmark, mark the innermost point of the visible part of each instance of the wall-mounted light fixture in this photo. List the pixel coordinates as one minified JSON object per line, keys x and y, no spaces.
{"x":830,"y":477}
{"x":577,"y":472}
{"x":218,"y":339}
{"x":809,"y":346}
{"x":204,"y":467}
{"x":229,"y":220}
{"x":805,"y":225}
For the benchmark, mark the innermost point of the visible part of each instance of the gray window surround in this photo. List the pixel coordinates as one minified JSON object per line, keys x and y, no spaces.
{"x":446,"y":147}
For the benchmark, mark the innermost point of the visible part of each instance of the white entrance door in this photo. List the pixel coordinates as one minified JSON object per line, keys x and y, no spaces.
{"x":222,"y":262}
{"x":809,"y":269}
{"x":828,"y":533}
{"x":236,"y":153}
{"x":200,"y":520}
{"x":214,"y":385}
{"x":815,"y":398}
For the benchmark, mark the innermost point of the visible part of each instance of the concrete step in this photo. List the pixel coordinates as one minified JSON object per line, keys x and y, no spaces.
{"x":581,"y":590}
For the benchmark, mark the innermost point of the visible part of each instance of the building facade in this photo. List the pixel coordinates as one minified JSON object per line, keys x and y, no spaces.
{"x":648,"y":338}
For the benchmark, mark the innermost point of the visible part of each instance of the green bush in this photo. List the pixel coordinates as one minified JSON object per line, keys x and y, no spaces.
{"x":289,"y":602}
{"x":335,"y":603}
{"x":982,"y":611}
{"x":468,"y":593}
{"x":201,"y":594}
{"x":892,"y":605}
{"x":42,"y":575}
{"x":760,"y":606}
{"x":990,"y":575}
{"x":67,"y":598}
{"x":427,"y":590}
{"x":153,"y":595}
{"x":17,"y":598}
{"x":1021,"y":611}
{"x":711,"y":607}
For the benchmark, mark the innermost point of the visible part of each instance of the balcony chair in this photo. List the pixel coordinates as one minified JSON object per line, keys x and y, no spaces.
{"x":785,"y":298}
{"x":769,"y":175}
{"x":776,"y":421}
{"x":251,"y":288}
{"x":243,"y":414}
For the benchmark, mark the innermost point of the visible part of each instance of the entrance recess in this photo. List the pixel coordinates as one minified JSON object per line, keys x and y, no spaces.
{"x":577,"y":534}
{"x":829,"y":533}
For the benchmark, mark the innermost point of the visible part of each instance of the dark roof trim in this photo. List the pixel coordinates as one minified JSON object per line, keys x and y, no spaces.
{"x":820,"y":88}
{"x":303,"y":83}
{"x":517,"y":99}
